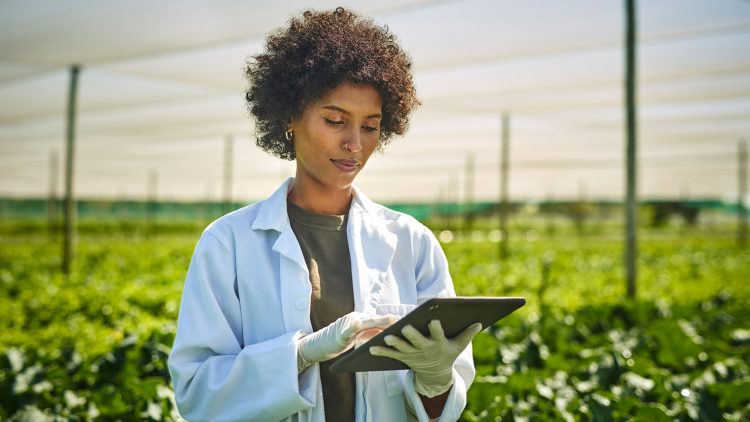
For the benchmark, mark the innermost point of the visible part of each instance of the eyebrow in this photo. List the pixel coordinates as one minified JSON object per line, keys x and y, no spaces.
{"x":341,"y":110}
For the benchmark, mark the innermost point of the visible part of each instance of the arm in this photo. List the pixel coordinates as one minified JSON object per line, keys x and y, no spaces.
{"x":215,"y":375}
{"x":431,"y":359}
{"x":433,"y":280}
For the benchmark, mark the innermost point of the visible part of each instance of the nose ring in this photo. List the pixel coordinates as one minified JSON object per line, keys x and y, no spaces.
{"x":346,"y":147}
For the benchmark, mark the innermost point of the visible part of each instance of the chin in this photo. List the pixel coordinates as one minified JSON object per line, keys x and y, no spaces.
{"x":344,"y":180}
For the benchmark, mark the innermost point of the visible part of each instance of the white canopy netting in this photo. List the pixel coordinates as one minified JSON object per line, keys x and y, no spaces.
{"x":161,"y":88}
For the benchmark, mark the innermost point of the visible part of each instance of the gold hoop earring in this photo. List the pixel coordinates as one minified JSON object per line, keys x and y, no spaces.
{"x":289,"y":135}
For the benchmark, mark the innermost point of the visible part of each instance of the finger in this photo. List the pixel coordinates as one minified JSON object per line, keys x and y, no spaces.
{"x":436,"y":331}
{"x":468,"y":334}
{"x":350,"y":329}
{"x":415,"y":337}
{"x":379,"y":321}
{"x":358,"y":326}
{"x":388,"y":318}
{"x":385,"y":352}
{"x":366,"y":335}
{"x":399,"y":344}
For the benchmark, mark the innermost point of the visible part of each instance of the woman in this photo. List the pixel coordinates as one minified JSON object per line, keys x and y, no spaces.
{"x":277,"y":290}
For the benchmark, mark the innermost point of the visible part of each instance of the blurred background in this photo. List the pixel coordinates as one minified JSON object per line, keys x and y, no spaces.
{"x":163,"y":145}
{"x":161,"y":89}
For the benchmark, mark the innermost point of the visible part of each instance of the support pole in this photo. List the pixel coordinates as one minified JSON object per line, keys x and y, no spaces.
{"x":581,"y":208}
{"x":70,"y":201}
{"x":454,"y":194}
{"x":504,"y":203}
{"x":631,"y":200}
{"x":441,"y":208}
{"x":742,"y":185}
{"x":228,"y":172}
{"x":152,"y":198}
{"x":52,"y":200}
{"x":469,"y":194}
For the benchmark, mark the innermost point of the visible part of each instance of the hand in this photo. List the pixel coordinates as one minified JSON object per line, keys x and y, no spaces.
{"x":339,"y":336}
{"x":431,"y":358}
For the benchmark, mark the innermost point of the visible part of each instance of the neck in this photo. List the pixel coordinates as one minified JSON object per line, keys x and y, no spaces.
{"x":320,"y":199}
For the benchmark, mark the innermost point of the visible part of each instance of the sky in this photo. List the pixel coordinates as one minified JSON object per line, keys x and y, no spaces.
{"x":161,"y":91}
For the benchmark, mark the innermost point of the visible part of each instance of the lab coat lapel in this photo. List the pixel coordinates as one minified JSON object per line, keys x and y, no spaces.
{"x":294,"y":286}
{"x":371,"y":247}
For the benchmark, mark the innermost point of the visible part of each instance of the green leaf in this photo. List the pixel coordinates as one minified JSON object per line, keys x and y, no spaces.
{"x":601,"y":407}
{"x":732,"y":395}
{"x":674,"y":347}
{"x":653,"y":413}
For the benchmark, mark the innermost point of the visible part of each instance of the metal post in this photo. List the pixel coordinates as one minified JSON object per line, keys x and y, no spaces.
{"x":631,"y":200}
{"x":441,"y":210}
{"x":456,"y":201}
{"x":581,"y":208}
{"x":504,"y":203}
{"x":152,"y":197}
{"x":54,"y":165}
{"x":469,"y":194}
{"x":70,"y":202}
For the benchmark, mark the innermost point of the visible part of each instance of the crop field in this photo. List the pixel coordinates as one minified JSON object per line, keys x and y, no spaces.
{"x":93,"y":346}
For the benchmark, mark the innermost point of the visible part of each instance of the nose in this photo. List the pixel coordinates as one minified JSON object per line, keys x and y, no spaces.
{"x":352,"y":141}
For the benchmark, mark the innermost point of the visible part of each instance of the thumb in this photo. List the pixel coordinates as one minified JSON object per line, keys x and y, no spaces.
{"x":468,"y":334}
{"x":349,"y":326}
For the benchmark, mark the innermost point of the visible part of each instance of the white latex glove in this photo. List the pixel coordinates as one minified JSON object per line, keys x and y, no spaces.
{"x":431,"y":358}
{"x":339,"y":336}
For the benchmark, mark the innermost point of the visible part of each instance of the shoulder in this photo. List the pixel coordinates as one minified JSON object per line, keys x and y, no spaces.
{"x":394,"y":220}
{"x":408,"y":229}
{"x":230,"y":227}
{"x":397,"y":220}
{"x":255,"y":218}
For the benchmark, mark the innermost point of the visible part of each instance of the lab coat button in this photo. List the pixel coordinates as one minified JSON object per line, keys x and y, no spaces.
{"x":300,"y":303}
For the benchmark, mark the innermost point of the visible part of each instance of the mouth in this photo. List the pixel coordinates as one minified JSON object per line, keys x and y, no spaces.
{"x":347,"y":166}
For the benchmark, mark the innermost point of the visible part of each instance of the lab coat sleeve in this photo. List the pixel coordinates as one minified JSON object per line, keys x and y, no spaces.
{"x":433,"y":279}
{"x":216,"y":376}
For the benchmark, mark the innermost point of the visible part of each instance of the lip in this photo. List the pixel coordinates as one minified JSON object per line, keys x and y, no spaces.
{"x":347,"y":166}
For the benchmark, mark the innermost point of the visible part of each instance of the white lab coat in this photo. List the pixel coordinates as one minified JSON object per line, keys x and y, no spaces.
{"x":246,"y":302}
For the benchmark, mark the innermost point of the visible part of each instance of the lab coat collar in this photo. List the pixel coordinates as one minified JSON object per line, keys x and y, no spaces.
{"x":270,"y":216}
{"x":371,"y":243}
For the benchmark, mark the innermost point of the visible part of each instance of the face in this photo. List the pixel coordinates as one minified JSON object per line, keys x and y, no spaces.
{"x":335,"y":136}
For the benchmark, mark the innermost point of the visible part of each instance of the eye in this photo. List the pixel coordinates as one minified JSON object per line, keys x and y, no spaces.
{"x":334,"y":122}
{"x":371,"y":128}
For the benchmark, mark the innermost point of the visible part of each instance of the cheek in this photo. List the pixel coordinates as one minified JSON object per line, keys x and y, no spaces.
{"x":322,"y":137}
{"x":372,"y":145}
{"x":310,"y":143}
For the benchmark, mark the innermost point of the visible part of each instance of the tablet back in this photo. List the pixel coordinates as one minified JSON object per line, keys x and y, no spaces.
{"x":455,"y":315}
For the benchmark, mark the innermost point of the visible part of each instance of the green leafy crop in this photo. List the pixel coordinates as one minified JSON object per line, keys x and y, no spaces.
{"x":93,"y":346}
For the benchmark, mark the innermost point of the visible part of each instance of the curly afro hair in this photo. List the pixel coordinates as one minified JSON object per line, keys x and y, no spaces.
{"x":314,"y":54}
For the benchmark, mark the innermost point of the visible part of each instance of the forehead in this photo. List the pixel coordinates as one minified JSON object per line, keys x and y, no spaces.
{"x":352,"y":98}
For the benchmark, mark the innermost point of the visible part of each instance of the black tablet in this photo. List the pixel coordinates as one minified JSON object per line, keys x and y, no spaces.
{"x":455,"y":315}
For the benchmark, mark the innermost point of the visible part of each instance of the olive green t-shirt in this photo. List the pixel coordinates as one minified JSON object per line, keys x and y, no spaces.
{"x":326,"y":250}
